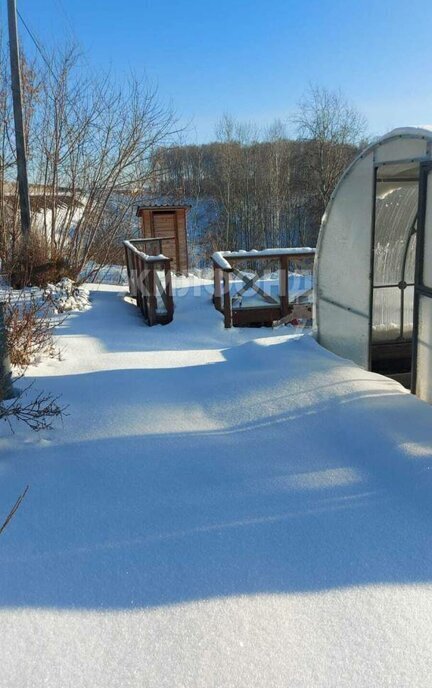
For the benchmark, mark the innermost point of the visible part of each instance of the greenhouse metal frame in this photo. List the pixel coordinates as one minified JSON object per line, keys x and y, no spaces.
{"x":373,"y":268}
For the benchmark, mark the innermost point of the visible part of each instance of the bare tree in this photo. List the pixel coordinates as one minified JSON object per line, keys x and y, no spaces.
{"x":91,"y":146}
{"x":268,"y":190}
{"x":227,"y":174}
{"x":332,"y":130}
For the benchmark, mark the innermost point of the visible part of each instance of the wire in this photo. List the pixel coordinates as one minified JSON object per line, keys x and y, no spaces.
{"x":41,"y":52}
{"x":38,"y":47}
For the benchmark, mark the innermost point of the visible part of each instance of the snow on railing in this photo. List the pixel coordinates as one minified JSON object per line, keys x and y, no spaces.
{"x":221,"y":257}
{"x":150,"y":281}
{"x":253,"y":303}
{"x":146,"y":256}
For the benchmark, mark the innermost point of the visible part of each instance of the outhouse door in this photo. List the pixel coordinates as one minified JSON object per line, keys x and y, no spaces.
{"x":422,"y":326}
{"x":165,"y":225}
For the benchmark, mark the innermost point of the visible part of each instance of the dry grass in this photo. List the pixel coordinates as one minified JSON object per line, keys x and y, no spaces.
{"x":29,"y":328}
{"x":35,"y":264}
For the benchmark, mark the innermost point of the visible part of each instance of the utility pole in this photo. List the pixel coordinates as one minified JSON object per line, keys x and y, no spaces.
{"x":6,"y":389}
{"x":18,"y":118}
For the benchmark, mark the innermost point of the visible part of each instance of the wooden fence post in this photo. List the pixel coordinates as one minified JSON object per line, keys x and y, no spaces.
{"x":152,"y":299}
{"x":227,"y":299}
{"x":283,"y":285}
{"x":145,"y":284}
{"x":6,"y":389}
{"x":134,"y":275}
{"x":168,"y":291}
{"x":128,"y":268}
{"x":217,"y":287}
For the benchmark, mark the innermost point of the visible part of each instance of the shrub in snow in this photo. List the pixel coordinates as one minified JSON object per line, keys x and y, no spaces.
{"x":67,"y":296}
{"x":29,"y":327}
{"x":29,"y":318}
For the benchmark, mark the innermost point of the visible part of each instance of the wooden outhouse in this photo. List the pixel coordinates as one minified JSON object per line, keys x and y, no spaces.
{"x":167,"y":221}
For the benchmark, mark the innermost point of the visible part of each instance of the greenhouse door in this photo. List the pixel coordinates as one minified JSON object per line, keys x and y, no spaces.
{"x":394,"y":239}
{"x":422,"y":332}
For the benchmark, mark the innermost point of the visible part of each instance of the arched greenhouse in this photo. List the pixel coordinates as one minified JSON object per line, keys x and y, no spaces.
{"x":373,"y":269}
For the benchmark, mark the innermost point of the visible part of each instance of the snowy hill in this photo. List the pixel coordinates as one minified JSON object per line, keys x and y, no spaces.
{"x":222,"y":508}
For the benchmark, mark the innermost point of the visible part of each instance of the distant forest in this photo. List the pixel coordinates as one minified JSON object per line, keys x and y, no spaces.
{"x":268,"y":190}
{"x":96,"y":149}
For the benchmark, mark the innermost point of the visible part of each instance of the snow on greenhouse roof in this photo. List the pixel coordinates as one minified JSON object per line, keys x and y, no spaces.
{"x":411,"y":130}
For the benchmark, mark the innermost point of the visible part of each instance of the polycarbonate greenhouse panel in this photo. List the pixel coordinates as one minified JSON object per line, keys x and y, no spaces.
{"x":427,"y":264}
{"x":346,"y":336}
{"x":400,"y":149}
{"x":343,"y":266}
{"x":396,"y":210}
{"x":424,"y":335}
{"x":408,"y":314}
{"x":386,"y":314}
{"x":424,"y":350}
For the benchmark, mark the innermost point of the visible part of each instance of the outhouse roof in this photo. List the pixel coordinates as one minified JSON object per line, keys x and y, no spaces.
{"x":163,"y":202}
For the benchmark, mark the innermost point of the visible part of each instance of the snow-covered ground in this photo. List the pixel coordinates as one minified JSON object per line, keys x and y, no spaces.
{"x":222,"y":508}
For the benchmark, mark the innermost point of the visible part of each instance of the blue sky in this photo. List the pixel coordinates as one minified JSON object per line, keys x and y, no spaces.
{"x":255,"y":59}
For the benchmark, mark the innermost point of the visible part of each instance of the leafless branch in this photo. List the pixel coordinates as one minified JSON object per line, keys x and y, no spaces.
{"x":13,"y":511}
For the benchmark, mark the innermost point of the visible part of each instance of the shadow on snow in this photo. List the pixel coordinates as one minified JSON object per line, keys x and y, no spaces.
{"x":287,"y":487}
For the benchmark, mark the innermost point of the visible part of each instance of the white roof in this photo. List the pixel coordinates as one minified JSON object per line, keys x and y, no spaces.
{"x":412,"y":130}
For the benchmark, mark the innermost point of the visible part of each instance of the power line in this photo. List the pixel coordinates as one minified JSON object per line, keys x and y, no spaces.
{"x":44,"y":57}
{"x":38,"y":47}
{"x":40,"y":50}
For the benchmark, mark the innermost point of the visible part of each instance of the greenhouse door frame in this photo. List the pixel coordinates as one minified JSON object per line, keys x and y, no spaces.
{"x":420,"y":289}
{"x":372,"y":267}
{"x":377,"y":166}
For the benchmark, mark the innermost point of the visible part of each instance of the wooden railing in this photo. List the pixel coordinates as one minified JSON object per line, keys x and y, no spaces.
{"x":149,"y":275}
{"x":267,"y":307}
